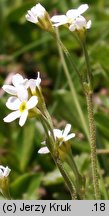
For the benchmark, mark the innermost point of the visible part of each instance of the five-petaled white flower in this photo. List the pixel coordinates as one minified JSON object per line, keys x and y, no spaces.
{"x":36,"y":12}
{"x":61,"y":136}
{"x":4,"y":171}
{"x":17,"y":81}
{"x":73,"y":18}
{"x":20,"y":106}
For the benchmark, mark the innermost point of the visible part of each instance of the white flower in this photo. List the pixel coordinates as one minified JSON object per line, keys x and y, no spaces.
{"x":73,"y":18}
{"x":61,"y":135}
{"x":20,"y":106}
{"x":80,"y":23}
{"x":17,"y":81}
{"x":33,"y":83}
{"x":38,"y":11}
{"x":4,"y":171}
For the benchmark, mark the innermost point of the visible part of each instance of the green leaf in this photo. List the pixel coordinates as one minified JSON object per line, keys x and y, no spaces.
{"x":26,"y":145}
{"x":24,"y":184}
{"x":53,"y":178}
{"x":102,"y":122}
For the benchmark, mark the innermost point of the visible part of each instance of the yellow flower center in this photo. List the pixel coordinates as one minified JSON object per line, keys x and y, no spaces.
{"x":69,"y":20}
{"x":23,"y":106}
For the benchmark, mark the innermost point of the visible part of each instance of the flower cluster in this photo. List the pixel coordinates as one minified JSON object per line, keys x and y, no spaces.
{"x":60,"y":136}
{"x":73,"y":18}
{"x":21,"y":102}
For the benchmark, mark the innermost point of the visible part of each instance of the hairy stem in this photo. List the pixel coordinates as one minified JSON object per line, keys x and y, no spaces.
{"x":67,"y":179}
{"x":92,"y":129}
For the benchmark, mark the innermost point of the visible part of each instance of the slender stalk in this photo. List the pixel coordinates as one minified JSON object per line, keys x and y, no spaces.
{"x":46,"y":124}
{"x":92,"y":129}
{"x":73,"y":92}
{"x":89,"y":74}
{"x":67,"y":179}
{"x":89,"y":94}
{"x":69,"y":59}
{"x":46,"y":113}
{"x":72,"y":164}
{"x":80,"y":181}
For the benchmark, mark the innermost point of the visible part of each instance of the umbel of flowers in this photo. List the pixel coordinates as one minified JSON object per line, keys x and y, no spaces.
{"x":26,"y":98}
{"x":20,"y":102}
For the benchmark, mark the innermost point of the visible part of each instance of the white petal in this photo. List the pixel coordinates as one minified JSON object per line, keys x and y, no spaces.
{"x":1,"y":174}
{"x":32,"y":102}
{"x":23,"y":118}
{"x":88,"y":25}
{"x":73,"y":13}
{"x":32,"y":84}
{"x":59,"y":19}
{"x":38,"y":10}
{"x":72,"y":27}
{"x":43,"y":150}
{"x":58,"y":24}
{"x":57,"y":133}
{"x":39,"y":7}
{"x":6,"y":172}
{"x":30,"y":17}
{"x":80,"y":22}
{"x":10,"y":89}
{"x":82,"y":8}
{"x":13,"y":103}
{"x":38,"y":80}
{"x":2,"y":167}
{"x":17,"y":79}
{"x":22,"y":93}
{"x":67,"y":130}
{"x":12,"y":116}
{"x":70,"y":136}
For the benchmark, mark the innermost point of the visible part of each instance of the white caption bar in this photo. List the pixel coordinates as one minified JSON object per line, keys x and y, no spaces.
{"x":54,"y":208}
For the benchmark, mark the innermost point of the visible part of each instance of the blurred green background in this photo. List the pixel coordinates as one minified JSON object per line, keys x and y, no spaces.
{"x":26,"y":49}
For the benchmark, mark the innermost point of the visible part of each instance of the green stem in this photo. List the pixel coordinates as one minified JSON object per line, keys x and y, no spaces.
{"x":92,"y":129}
{"x":72,"y":164}
{"x":80,"y":181}
{"x":46,"y":113}
{"x":73,"y":92}
{"x":69,"y":58}
{"x":51,"y":145}
{"x":67,"y":179}
{"x":89,"y":74}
